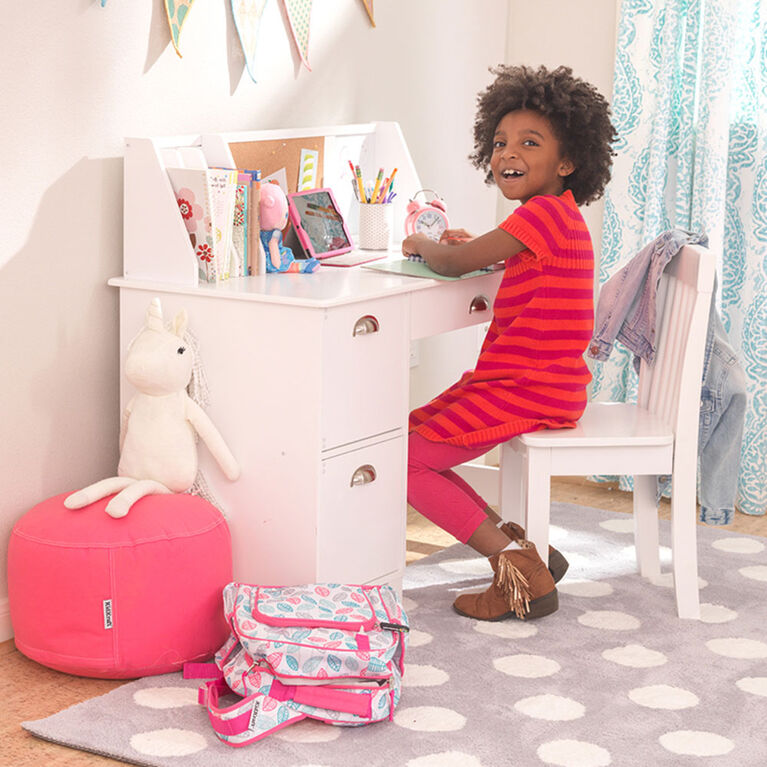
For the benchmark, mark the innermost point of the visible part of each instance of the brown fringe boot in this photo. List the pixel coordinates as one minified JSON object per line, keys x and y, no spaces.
{"x":557,"y":563}
{"x":522,"y":588}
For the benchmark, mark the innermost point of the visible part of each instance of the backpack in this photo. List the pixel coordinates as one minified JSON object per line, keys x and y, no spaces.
{"x":326,"y":651}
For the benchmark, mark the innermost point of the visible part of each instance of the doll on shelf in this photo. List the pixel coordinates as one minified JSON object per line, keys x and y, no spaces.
{"x":273,"y":212}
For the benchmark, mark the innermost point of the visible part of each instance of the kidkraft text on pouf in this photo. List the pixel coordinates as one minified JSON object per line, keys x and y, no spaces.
{"x":119,"y":598}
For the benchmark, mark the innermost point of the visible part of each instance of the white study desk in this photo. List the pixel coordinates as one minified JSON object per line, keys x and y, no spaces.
{"x":308,"y":373}
{"x":309,"y":380}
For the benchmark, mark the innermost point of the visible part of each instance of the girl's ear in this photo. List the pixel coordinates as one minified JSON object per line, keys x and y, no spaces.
{"x":566,"y":167}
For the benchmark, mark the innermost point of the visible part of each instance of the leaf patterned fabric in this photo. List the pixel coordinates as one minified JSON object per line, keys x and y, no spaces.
{"x":690,"y":108}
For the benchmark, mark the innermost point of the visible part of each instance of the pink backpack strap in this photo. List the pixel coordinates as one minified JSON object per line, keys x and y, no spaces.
{"x":208,"y":696}
{"x":324,"y":697}
{"x":235,"y":720}
{"x":239,"y":719}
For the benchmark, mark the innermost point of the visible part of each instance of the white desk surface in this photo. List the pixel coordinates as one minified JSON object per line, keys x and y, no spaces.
{"x":329,"y":286}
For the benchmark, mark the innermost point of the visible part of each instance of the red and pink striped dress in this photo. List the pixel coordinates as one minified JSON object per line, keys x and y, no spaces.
{"x":530,"y":373}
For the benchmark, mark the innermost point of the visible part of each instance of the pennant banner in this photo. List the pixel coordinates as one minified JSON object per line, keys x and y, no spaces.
{"x":247,"y":18}
{"x":299,"y":15}
{"x":177,"y":11}
{"x":369,"y":8}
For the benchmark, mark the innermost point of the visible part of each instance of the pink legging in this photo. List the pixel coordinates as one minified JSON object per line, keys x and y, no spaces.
{"x":439,"y":493}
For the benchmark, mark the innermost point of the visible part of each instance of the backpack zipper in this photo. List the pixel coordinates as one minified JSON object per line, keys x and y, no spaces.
{"x":395,"y":627}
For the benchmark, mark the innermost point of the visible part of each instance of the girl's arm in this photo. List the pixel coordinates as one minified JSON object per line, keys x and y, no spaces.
{"x":455,"y":260}
{"x":455,"y":236}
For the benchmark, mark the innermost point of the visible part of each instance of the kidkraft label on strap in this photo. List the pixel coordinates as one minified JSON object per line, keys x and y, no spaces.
{"x":254,"y":713}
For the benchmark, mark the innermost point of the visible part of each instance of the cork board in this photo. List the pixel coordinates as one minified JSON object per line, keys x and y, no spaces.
{"x":269,"y":156}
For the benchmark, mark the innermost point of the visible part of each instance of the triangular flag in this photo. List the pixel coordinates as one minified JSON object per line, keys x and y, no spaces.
{"x":247,"y":18}
{"x":299,"y":15}
{"x":177,"y":11}
{"x":369,"y":8}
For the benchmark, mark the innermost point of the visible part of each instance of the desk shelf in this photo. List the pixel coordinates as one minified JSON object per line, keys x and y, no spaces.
{"x":156,"y":245}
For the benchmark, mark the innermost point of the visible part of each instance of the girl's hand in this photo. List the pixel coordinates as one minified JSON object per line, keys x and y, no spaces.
{"x":411,"y":245}
{"x":455,"y":236}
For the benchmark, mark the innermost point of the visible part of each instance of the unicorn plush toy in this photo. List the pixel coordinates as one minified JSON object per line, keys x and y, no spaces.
{"x":158,"y":450}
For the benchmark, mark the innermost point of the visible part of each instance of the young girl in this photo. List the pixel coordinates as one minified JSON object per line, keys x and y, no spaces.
{"x":544,"y":137}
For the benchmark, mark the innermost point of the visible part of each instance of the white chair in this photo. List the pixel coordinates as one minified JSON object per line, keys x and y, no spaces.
{"x":656,"y":436}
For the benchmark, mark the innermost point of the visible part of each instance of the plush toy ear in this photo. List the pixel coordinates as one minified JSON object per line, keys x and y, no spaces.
{"x":154,"y":315}
{"x":180,"y":321}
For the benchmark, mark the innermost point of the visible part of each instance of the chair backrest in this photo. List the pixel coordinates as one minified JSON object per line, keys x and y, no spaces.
{"x":670,"y":387}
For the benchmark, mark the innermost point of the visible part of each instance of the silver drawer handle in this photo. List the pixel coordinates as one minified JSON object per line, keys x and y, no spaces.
{"x":363,"y":476}
{"x":479,"y":303}
{"x":365,"y":325}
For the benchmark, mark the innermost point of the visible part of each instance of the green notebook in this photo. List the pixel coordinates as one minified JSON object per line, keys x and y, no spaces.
{"x":417,"y":269}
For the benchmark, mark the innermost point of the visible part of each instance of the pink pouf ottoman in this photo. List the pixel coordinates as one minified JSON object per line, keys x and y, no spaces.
{"x":119,"y":598}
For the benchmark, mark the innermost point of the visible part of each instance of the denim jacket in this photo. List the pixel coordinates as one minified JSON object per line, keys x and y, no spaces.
{"x":626,"y":311}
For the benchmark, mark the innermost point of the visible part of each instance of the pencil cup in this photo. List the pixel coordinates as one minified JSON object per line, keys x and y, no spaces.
{"x":376,"y":229}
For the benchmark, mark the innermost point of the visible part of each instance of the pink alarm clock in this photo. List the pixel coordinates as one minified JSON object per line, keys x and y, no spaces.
{"x":428,"y":218}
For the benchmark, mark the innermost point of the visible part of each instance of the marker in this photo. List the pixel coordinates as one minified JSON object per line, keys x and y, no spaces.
{"x":379,"y":178}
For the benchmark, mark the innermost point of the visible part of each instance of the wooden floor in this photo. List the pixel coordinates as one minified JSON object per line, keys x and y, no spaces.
{"x":31,"y":691}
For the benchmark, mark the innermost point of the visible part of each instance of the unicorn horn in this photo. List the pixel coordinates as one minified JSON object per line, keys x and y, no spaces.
{"x":154,"y":315}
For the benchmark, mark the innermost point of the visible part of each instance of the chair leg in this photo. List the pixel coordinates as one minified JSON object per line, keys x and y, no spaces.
{"x":646,"y":526}
{"x":684,"y":544}
{"x":513,"y":479}
{"x":538,"y":506}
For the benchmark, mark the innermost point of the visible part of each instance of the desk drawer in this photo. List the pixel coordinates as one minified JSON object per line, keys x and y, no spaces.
{"x":361,"y":528}
{"x":364,"y":370}
{"x":453,"y":305}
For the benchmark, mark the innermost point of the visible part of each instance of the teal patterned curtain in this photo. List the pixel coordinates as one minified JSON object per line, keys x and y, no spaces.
{"x":690,"y":107}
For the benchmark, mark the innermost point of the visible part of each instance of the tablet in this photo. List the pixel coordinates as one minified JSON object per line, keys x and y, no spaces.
{"x":318,"y":223}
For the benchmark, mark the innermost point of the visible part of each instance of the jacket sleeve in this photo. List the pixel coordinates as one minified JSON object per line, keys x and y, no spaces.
{"x":722,"y":418}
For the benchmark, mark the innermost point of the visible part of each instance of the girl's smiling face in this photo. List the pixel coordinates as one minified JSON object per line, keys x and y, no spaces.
{"x":527,"y":157}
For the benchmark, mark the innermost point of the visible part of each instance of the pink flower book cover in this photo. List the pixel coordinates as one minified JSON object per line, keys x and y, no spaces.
{"x":192,"y":190}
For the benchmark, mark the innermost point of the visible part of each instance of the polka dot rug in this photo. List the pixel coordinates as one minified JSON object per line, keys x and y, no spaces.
{"x":612,"y":678}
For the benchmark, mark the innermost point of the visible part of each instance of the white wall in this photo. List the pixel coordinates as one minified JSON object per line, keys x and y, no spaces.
{"x":79,"y":78}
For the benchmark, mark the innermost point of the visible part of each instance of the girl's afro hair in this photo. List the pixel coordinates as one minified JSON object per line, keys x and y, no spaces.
{"x":578,"y":113}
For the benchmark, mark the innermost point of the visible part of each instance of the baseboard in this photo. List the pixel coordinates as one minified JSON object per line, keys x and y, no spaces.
{"x":6,"y":629}
{"x":483,"y":478}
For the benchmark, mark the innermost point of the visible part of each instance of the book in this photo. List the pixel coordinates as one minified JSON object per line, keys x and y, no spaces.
{"x":256,"y":259}
{"x":223,"y":190}
{"x":241,"y":225}
{"x":421,"y":269}
{"x":193,"y":195}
